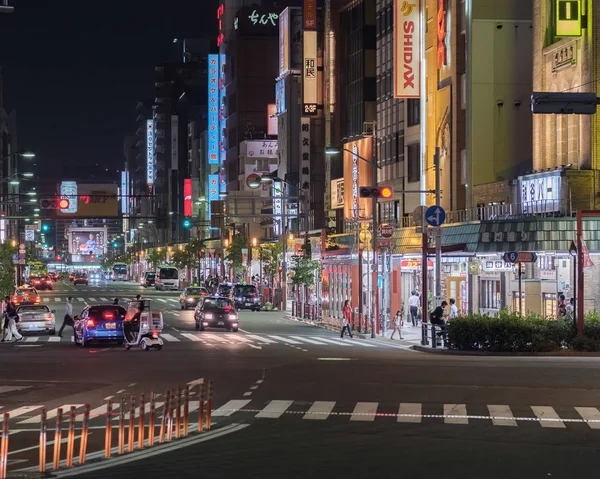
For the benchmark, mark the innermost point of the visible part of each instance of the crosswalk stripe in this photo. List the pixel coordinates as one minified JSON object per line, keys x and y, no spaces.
{"x":364,"y":344}
{"x":169,"y":337}
{"x":337,"y":342}
{"x":501,"y":415}
{"x":274,"y":409}
{"x":99,"y":411}
{"x":31,"y":339}
{"x":364,"y":411}
{"x":590,"y":414}
{"x":104,"y":299}
{"x":549,"y":417}
{"x":81,"y":299}
{"x":320,"y":410}
{"x":54,"y":339}
{"x":57,"y":300}
{"x":51,"y":414}
{"x":216,"y":337}
{"x":93,"y":300}
{"x":455,"y":410}
{"x":308,"y":340}
{"x":230,"y":407}
{"x":157,"y":408}
{"x":285,"y":340}
{"x":193,"y":337}
{"x":261,"y":339}
{"x":410,"y":412}
{"x":162,"y":300}
{"x":22,"y":410}
{"x":46,"y":300}
{"x":238,"y":337}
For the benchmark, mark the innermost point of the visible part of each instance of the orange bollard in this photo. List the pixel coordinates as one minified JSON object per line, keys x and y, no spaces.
{"x":131,"y":429}
{"x":57,"y":439}
{"x":152,"y":419}
{"x":178,"y":415}
{"x":170,"y":420}
{"x":43,"y":440}
{"x":108,"y":430}
{"x":84,"y":434}
{"x":165,"y":416}
{"x":122,"y":427}
{"x":209,"y":407}
{"x":4,"y":447}
{"x":71,"y":437}
{"x":201,"y":409}
{"x":186,"y":410}
{"x":142,"y":421}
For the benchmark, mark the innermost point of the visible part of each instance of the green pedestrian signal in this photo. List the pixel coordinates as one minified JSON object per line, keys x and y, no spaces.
{"x":45,"y":227}
{"x":187,"y":223}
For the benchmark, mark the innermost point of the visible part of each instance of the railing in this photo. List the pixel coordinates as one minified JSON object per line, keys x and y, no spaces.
{"x":434,"y":335}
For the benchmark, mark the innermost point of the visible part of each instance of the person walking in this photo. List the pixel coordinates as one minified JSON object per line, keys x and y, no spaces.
{"x":413,"y":304}
{"x":453,"y":309}
{"x":10,"y":311}
{"x":561,"y":310}
{"x":4,"y":320}
{"x":346,"y":312}
{"x":116,"y":302}
{"x":68,"y":321}
{"x":397,"y":325}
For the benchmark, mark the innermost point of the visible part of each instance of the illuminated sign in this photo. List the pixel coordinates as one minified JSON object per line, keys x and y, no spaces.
{"x":414,"y":264}
{"x":568,"y":18}
{"x":541,"y":193}
{"x":213,"y":109}
{"x":222,"y":119}
{"x":310,"y":15}
{"x":272,"y":127}
{"x":124,"y":192}
{"x":150,"y":152}
{"x":213,"y":187}
{"x":357,"y":172}
{"x":441,"y":34}
{"x":407,"y":32}
{"x":354,"y":181}
{"x":220,"y":13}
{"x":68,"y":190}
{"x":277,"y":192}
{"x":261,"y":148}
{"x":187,"y":197}
{"x":257,"y":18}
{"x":305,"y":142}
{"x":309,"y":75}
{"x":337,"y":193}
{"x":280,"y":96}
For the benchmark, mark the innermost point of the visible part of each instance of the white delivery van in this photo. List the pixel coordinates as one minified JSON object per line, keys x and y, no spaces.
{"x":167,"y":278}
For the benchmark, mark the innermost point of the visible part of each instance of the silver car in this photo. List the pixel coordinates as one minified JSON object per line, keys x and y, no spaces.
{"x":36,"y":319}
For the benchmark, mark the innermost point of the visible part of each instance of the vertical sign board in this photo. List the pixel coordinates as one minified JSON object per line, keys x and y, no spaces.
{"x":213,"y":190}
{"x":68,"y":190}
{"x":150,"y":152}
{"x":213,"y":109}
{"x":568,"y":18}
{"x":305,"y":157}
{"x":284,"y":41}
{"x":124,"y":192}
{"x":310,"y":15}
{"x":222,"y":122}
{"x":272,"y":128}
{"x":407,"y":53}
{"x":187,"y":197}
{"x":277,"y":192}
{"x":174,"y":142}
{"x":309,"y":73}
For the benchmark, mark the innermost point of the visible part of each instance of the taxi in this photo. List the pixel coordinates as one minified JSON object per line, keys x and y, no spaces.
{"x":191,"y":296}
{"x":26,"y":295}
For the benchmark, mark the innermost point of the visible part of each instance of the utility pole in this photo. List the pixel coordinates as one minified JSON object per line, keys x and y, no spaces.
{"x":374,"y":266}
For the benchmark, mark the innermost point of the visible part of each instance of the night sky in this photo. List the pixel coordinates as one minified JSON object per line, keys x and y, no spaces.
{"x":75,"y":69}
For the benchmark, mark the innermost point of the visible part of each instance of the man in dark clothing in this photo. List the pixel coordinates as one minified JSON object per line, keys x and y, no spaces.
{"x":437,"y":319}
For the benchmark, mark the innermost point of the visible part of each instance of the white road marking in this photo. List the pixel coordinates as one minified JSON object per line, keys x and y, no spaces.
{"x":169,"y":337}
{"x":196,"y":381}
{"x":81,"y":299}
{"x":308,"y":340}
{"x":31,"y":339}
{"x":72,"y":339}
{"x":320,"y":410}
{"x":238,"y":337}
{"x":253,"y":346}
{"x":216,"y":337}
{"x":459,"y":410}
{"x":261,"y":339}
{"x":93,"y":300}
{"x":193,"y":337}
{"x":57,"y":300}
{"x":23,"y":410}
{"x":104,"y":299}
{"x":364,"y":411}
{"x":285,"y":340}
{"x":590,"y":414}
{"x":549,"y":416}
{"x":501,"y":415}
{"x":230,"y":407}
{"x":274,"y":409}
{"x":247,"y":393}
{"x":46,"y":300}
{"x":409,"y":412}
{"x":337,"y":342}
{"x":52,"y":414}
{"x":54,"y":339}
{"x":162,"y":300}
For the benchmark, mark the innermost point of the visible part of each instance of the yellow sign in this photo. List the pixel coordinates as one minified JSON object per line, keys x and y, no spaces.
{"x":568,"y":18}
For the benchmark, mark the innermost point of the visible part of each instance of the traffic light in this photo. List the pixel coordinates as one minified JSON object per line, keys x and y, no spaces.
{"x":384,"y":192}
{"x":45,"y":227}
{"x":58,"y":257}
{"x":187,"y":223}
{"x":54,"y":203}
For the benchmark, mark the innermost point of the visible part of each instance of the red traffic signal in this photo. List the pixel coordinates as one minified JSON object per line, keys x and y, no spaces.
{"x":376,"y":192}
{"x":63,"y":203}
{"x":54,"y":203}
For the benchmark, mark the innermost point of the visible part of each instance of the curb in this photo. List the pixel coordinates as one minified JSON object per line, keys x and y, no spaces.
{"x":452,"y":352}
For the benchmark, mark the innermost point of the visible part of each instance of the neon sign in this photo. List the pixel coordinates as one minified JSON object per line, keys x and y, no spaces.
{"x":220,"y":13}
{"x":441,"y":35}
{"x":213,"y":109}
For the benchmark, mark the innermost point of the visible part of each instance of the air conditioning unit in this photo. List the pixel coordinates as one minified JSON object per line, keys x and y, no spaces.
{"x":369,"y":128}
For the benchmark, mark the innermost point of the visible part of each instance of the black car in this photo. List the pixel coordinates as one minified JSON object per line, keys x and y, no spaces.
{"x":216,"y":312}
{"x":149,"y":279}
{"x":246,"y":296}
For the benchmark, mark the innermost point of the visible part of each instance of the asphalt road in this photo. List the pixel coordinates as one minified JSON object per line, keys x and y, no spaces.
{"x":291,"y":400}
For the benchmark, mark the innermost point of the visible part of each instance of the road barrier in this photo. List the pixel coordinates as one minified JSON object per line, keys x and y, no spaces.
{"x":209,"y":407}
{"x":152,"y":419}
{"x":142,"y":421}
{"x":108,"y":430}
{"x":122,"y":427}
{"x":84,"y":434}
{"x":4,"y":447}
{"x":201,"y":408}
{"x":43,"y":440}
{"x":165,"y":417}
{"x":57,"y":439}
{"x":178,"y":415}
{"x":186,"y":410}
{"x":131,"y":429}
{"x":170,"y":418}
{"x":71,"y":437}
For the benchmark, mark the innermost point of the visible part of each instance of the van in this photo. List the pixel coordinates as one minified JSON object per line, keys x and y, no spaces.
{"x":167,"y":279}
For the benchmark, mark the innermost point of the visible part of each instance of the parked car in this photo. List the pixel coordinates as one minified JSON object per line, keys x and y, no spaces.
{"x":148,"y":279}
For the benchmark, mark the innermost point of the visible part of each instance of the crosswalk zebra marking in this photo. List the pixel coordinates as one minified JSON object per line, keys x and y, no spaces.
{"x":455,"y":414}
{"x":501,"y":415}
{"x":193,"y":337}
{"x":274,"y":409}
{"x":54,"y":339}
{"x":230,"y":407}
{"x":337,"y":342}
{"x":216,"y":337}
{"x":320,"y":410}
{"x":57,"y":300}
{"x":81,"y":299}
{"x":93,"y":300}
{"x":548,"y":417}
{"x":410,"y":412}
{"x":364,"y":411}
{"x":285,"y":340}
{"x":590,"y":414}
{"x":46,"y":300}
{"x":104,"y":300}
{"x":308,"y":340}
{"x":52,"y":414}
{"x":261,"y":339}
{"x":23,"y":410}
{"x":170,"y":337}
{"x":31,"y":339}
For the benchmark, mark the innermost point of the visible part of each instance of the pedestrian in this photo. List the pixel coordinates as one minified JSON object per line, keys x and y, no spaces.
{"x":437,"y":318}
{"x":68,"y":321}
{"x":453,"y":309}
{"x":346,"y":312}
{"x":138,"y":297}
{"x":10,"y":312}
{"x":413,"y":304}
{"x":561,"y":310}
{"x":571,"y":308}
{"x":4,"y":320}
{"x":397,"y":325}
{"x":116,"y":302}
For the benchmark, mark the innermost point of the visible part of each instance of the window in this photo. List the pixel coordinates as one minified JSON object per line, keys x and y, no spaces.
{"x":413,"y":110}
{"x":549,"y":306}
{"x":414,"y":163}
{"x":491,"y":295}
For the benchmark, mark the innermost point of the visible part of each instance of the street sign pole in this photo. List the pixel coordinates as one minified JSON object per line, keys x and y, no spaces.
{"x":438,"y":240}
{"x":424,"y":289}
{"x":520,"y":290}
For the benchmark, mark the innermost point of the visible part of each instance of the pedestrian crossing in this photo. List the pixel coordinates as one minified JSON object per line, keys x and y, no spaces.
{"x":51,"y":299}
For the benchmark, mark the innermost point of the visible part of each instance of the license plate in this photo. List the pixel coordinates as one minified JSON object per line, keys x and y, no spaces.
{"x":248,"y":304}
{"x":220,"y":323}
{"x":33,"y":326}
{"x":111,"y":326}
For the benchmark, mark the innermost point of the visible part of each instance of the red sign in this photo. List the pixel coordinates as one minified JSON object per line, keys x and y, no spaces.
{"x":441,"y":35}
{"x":386,"y":231}
{"x":187,"y":197}
{"x":220,"y":13}
{"x":414,"y":264}
{"x":310,"y":14}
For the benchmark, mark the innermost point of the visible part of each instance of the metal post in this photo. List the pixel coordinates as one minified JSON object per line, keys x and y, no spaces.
{"x":142,"y":421}
{"x":108,"y":430}
{"x":438,"y":239}
{"x":375,"y":267}
{"x":424,"y":288}
{"x":152,"y":418}
{"x":520,"y":290}
{"x":84,"y":434}
{"x":574,"y":291}
{"x":580,"y":277}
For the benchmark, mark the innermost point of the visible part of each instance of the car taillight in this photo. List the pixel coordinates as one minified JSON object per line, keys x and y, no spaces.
{"x":90,"y":323}
{"x":254,"y":295}
{"x":109,"y":316}
{"x":49,"y":317}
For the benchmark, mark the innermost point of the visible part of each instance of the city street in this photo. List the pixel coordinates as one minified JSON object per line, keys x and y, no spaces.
{"x":292,"y":397}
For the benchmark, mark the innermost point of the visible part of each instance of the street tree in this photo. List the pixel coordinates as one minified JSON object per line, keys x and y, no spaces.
{"x":183,"y":258}
{"x":234,"y":253}
{"x":7,"y":269}
{"x":270,"y":253}
{"x":155,"y":258}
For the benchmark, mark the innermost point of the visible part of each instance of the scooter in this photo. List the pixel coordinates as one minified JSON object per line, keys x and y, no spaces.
{"x":142,"y":326}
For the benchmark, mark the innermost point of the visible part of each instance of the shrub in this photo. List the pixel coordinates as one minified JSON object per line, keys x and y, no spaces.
{"x":585,"y":344}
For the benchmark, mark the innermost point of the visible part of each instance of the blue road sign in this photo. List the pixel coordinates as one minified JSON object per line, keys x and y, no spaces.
{"x":435,"y":216}
{"x":520,"y":257}
{"x":379,"y":282}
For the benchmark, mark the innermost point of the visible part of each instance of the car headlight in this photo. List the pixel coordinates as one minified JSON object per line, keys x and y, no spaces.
{"x":233,"y":316}
{"x":239,"y":298}
{"x":190,"y":300}
{"x":208,"y":316}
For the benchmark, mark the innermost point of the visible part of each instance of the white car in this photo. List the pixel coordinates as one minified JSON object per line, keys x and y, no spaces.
{"x":36,"y":318}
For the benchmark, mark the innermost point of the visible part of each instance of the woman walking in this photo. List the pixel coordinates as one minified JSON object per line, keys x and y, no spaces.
{"x":346,"y":312}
